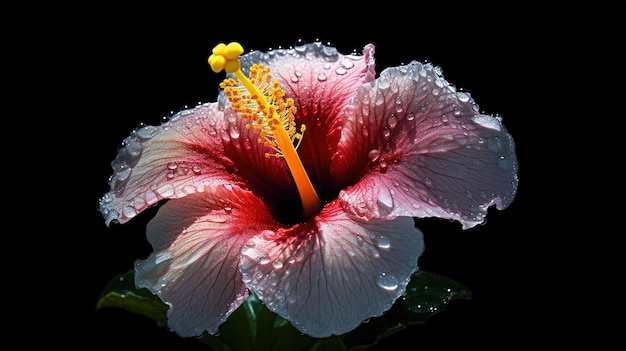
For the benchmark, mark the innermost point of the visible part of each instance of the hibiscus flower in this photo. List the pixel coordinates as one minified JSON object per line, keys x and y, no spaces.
{"x":301,"y":183}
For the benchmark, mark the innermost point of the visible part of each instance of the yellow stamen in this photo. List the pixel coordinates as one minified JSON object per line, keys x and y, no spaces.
{"x":262,"y":102}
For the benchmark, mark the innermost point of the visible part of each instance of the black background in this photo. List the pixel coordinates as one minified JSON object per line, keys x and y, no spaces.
{"x":99,"y":70}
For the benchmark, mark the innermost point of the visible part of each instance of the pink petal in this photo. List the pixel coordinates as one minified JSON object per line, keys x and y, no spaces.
{"x":423,"y":150}
{"x":178,"y":158}
{"x":193,"y":268}
{"x":332,"y":273}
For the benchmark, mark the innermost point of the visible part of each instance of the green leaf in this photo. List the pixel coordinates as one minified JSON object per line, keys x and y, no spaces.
{"x":121,"y":292}
{"x":253,"y":327}
{"x":426,"y":294}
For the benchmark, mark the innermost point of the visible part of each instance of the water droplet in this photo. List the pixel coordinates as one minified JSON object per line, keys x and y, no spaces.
{"x":264,"y":260}
{"x":387,"y":281}
{"x":129,"y":212}
{"x":373,"y":154}
{"x":463,"y":97}
{"x":347,"y":64}
{"x":398,"y":104}
{"x":382,"y":166}
{"x":392,"y":120}
{"x":277,"y":264}
{"x":341,"y":71}
{"x":386,"y":132}
{"x":359,"y":241}
{"x":382,"y":242}
{"x":385,"y":201}
{"x":488,"y":122}
{"x":379,"y":99}
{"x":300,"y":45}
{"x":166,"y":190}
{"x":322,"y":77}
{"x":147,"y":132}
{"x":234,"y":132}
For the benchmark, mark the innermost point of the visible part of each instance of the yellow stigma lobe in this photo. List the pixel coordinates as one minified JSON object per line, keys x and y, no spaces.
{"x":262,"y":102}
{"x":226,"y":57}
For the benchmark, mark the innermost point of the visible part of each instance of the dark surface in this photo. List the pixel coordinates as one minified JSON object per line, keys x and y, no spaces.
{"x":129,"y":64}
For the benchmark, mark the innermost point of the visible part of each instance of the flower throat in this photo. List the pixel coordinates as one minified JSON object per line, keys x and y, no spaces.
{"x":262,"y":101}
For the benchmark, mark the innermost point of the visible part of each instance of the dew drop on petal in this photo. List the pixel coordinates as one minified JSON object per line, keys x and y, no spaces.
{"x":488,"y":122}
{"x":374,"y":251}
{"x":322,"y":77}
{"x":392,"y":120}
{"x":359,"y":241}
{"x":382,"y":242}
{"x":129,"y":211}
{"x":373,"y":154}
{"x":279,"y":294}
{"x":341,"y":71}
{"x":463,"y":97}
{"x":347,"y":64}
{"x":234,"y":132}
{"x":147,"y":132}
{"x":387,"y":281}
{"x":382,"y":166}
{"x":386,"y":132}
{"x":166,"y":190}
{"x":399,"y":105}
{"x":385,"y":201}
{"x":379,"y":99}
